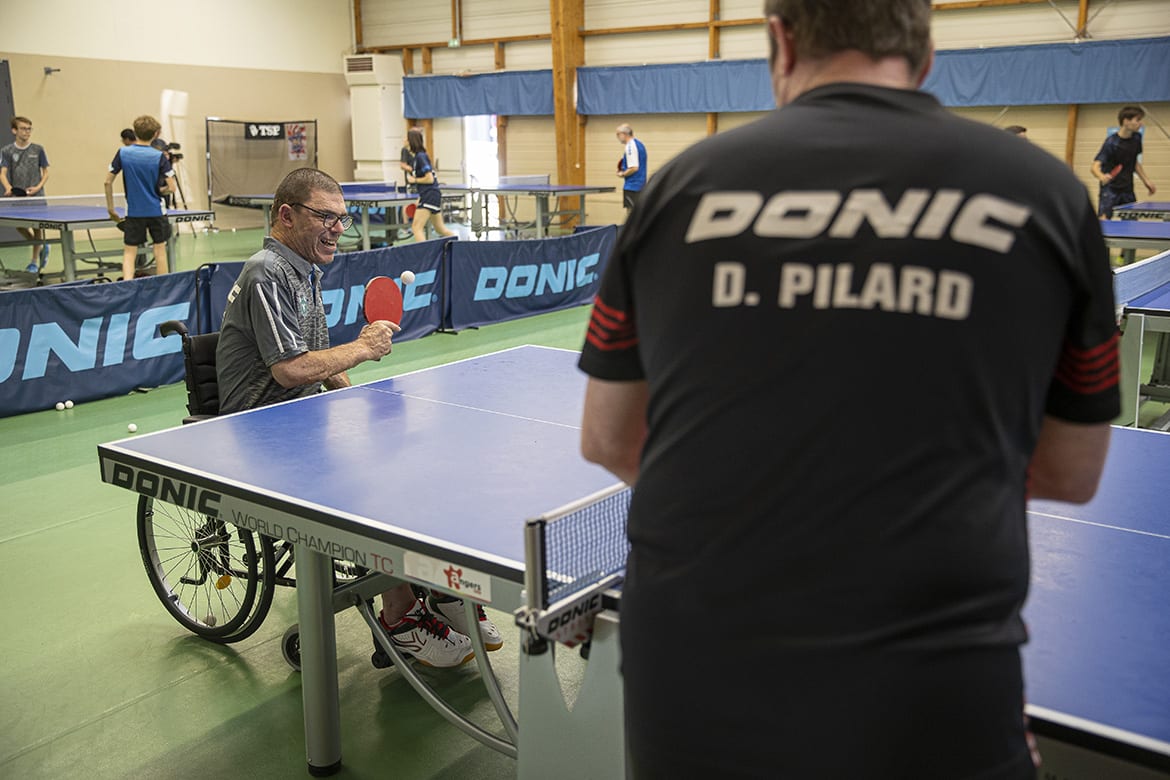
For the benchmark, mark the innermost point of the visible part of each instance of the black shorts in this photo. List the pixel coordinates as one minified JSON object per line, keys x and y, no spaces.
{"x":630,"y":197}
{"x":1109,"y":199}
{"x":430,"y":199}
{"x":136,"y":229}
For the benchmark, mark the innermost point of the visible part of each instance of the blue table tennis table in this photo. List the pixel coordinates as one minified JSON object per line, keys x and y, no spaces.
{"x":1130,"y":235}
{"x":430,"y":477}
{"x":69,"y":213}
{"x":1142,"y":294}
{"x":1146,"y":209}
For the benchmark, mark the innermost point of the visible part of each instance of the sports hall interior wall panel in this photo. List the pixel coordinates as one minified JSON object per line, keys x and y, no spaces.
{"x":1046,"y":125}
{"x":532,"y":152}
{"x":257,"y":34}
{"x":741,"y":9}
{"x":732,"y":120}
{"x":1041,"y":23}
{"x":494,"y":19}
{"x":743,"y":43}
{"x":606,"y":14}
{"x":1131,"y":19}
{"x":465,"y":59}
{"x":396,"y":23}
{"x":79,"y":112}
{"x":651,"y":48}
{"x":528,"y":55}
{"x":447,"y":150}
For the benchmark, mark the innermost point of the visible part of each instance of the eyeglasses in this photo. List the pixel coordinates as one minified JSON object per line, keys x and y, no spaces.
{"x":328,"y":218}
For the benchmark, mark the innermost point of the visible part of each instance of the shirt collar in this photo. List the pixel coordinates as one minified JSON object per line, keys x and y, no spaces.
{"x":302,"y":266}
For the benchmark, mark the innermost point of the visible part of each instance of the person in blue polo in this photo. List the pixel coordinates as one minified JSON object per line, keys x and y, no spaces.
{"x":149,"y":179}
{"x":631,"y":167}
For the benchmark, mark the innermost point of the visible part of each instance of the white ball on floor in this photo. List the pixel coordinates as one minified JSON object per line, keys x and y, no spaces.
{"x":68,"y":404}
{"x":132,"y":427}
{"x":407,"y":277}
{"x":60,"y":406}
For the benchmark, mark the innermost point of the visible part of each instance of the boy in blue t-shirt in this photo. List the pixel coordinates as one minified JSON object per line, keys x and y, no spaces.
{"x":148,"y":178}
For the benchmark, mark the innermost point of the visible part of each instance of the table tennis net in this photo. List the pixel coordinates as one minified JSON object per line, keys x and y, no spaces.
{"x":1134,"y":281}
{"x":538,"y":179}
{"x":581,"y":544}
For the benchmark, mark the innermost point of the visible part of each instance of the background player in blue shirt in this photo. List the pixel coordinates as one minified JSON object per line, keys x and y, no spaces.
{"x":430,"y":197}
{"x":632,"y":166}
{"x":149,"y":178}
{"x":1117,"y":162}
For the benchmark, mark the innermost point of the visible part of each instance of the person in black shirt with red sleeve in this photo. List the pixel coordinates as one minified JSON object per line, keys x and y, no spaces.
{"x":834,"y":367}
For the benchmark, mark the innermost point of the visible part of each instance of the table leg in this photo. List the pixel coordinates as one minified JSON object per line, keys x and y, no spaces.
{"x":318,"y":662}
{"x":67,"y":254}
{"x":587,"y":741}
{"x":1130,"y":359}
{"x":365,"y":227}
{"x":541,"y":214}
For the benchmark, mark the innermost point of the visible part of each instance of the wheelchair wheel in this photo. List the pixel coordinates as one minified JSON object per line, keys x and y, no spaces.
{"x":290,"y":646}
{"x":216,"y":579}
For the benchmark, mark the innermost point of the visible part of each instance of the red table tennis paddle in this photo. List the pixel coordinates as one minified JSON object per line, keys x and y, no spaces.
{"x":410,"y":210}
{"x":382,"y":300}
{"x":1116,"y":170}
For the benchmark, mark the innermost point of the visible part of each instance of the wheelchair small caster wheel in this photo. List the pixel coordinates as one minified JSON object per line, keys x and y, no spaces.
{"x":290,"y":646}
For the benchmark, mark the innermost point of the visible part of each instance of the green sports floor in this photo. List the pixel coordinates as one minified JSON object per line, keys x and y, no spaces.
{"x":99,"y":682}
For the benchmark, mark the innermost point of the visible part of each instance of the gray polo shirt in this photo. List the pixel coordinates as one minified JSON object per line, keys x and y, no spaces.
{"x":274,"y":312}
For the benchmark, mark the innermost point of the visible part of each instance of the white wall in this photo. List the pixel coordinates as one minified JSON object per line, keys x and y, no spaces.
{"x":285,"y":35}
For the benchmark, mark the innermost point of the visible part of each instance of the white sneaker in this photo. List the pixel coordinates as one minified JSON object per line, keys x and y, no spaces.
{"x":431,"y":641}
{"x":451,"y":608}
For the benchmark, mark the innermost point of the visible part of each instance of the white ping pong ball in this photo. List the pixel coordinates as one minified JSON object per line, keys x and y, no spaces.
{"x":132,"y":427}
{"x":407,"y":277}
{"x":68,"y":404}
{"x":60,"y":406}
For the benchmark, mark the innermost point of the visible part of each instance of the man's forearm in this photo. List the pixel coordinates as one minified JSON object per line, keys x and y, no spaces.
{"x":320,"y":365}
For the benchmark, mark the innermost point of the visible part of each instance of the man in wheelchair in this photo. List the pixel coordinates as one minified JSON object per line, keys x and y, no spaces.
{"x":274,"y":346}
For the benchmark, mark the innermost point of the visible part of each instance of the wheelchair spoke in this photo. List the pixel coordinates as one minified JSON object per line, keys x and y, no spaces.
{"x":214,"y":578}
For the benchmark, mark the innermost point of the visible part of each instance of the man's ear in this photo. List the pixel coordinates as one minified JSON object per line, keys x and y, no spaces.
{"x":283,"y":215}
{"x":785,"y":51}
